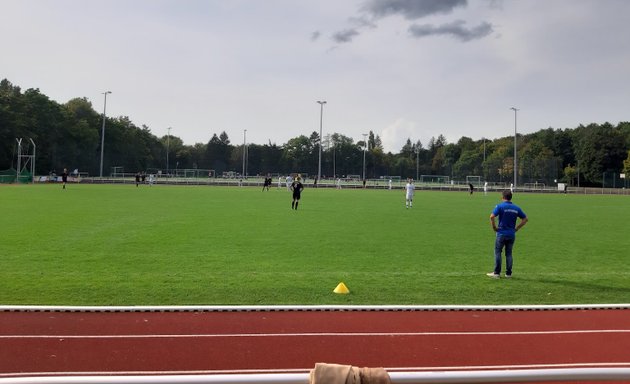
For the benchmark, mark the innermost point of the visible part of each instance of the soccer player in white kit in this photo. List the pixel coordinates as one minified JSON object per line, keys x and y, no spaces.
{"x":289,"y":182}
{"x":409,"y":191}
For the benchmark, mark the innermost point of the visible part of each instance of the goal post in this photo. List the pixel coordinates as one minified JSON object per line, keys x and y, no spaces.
{"x":435,"y":179}
{"x":474,"y":180}
{"x":536,"y":186}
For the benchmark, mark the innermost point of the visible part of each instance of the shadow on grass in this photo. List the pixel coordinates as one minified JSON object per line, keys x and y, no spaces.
{"x":593,"y":287}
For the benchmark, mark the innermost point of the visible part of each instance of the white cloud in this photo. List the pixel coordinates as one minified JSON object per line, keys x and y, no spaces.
{"x":395,"y":135}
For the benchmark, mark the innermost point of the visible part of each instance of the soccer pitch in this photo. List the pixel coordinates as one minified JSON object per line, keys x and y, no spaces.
{"x":199,"y":245}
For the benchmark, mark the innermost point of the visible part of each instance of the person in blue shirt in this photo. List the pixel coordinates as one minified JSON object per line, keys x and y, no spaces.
{"x":508,"y":214}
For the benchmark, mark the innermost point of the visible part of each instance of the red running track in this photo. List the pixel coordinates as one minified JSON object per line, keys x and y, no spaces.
{"x":94,"y":343}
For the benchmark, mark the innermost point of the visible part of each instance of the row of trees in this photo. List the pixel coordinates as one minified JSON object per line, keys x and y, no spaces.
{"x":68,"y":136}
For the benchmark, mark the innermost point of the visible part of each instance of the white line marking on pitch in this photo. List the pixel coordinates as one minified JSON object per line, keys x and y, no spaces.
{"x":317,"y":334}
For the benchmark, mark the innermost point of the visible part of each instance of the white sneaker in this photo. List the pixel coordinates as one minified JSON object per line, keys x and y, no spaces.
{"x":493,"y":275}
{"x":508,"y":276}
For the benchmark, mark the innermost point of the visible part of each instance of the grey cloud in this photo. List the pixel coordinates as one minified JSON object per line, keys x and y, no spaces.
{"x":362,"y":22}
{"x":455,"y":29}
{"x":495,"y":4}
{"x":374,"y":10}
{"x":411,"y":9}
{"x":345,"y":36}
{"x":315,"y":35}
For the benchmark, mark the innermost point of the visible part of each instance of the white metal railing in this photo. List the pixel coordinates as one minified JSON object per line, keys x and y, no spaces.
{"x":503,"y":376}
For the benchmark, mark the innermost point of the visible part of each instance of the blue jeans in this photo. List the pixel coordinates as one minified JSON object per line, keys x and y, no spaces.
{"x":508,"y":243}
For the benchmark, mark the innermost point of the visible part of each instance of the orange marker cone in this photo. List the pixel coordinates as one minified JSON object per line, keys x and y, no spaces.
{"x":341,"y":289}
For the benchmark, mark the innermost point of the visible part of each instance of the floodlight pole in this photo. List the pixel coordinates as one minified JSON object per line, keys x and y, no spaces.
{"x":484,"y":159}
{"x":321,"y":119}
{"x":168,"y":146}
{"x":103,"y":131}
{"x":334,"y":159}
{"x":417,"y":161}
{"x":515,"y":171}
{"x":244,"y":143}
{"x":364,"y":149}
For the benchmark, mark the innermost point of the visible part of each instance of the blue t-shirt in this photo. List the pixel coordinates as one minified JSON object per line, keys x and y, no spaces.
{"x":507,"y":212}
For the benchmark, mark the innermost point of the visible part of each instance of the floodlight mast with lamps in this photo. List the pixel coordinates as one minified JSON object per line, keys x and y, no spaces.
{"x":103,"y":131}
{"x":321,"y":119}
{"x":244,"y":143}
{"x":168,"y":147}
{"x":365,"y":144}
{"x":515,"y":171}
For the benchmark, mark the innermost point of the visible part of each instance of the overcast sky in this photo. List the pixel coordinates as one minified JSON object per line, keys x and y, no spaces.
{"x":400,"y":68}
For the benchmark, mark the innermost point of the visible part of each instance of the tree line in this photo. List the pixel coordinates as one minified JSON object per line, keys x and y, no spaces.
{"x":69,"y":136}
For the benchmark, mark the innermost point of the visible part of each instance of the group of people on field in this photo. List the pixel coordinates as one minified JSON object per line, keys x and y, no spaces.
{"x":142,"y":178}
{"x":506,"y":218}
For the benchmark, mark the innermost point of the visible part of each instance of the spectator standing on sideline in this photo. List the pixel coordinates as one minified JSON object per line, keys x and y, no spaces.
{"x":508,"y":213}
{"x":471,"y":188}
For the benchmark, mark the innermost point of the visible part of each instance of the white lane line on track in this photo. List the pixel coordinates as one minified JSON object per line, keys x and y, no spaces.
{"x":318,"y":334}
{"x":304,"y":370}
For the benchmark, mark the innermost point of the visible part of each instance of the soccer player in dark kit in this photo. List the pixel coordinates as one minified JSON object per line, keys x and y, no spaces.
{"x":297,"y":189}
{"x":267,"y":183}
{"x":64,"y":177}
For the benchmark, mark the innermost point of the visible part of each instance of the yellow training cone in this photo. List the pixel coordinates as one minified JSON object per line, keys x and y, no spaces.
{"x":341,"y":288}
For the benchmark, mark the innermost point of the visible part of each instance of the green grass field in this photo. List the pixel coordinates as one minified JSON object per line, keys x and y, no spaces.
{"x":199,"y":245}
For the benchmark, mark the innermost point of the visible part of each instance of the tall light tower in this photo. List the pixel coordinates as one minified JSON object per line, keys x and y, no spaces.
{"x":417,"y":162}
{"x":103,"y":131}
{"x":321,"y":119}
{"x":244,"y":143}
{"x":168,"y":142}
{"x":365,"y":144}
{"x":515,"y":171}
{"x":484,"y":159}
{"x":334,"y":160}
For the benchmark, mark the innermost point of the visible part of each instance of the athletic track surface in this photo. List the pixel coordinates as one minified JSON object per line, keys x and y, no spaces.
{"x":51,"y":343}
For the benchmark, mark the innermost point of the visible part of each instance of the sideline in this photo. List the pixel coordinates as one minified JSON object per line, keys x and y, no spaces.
{"x":306,"y":308}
